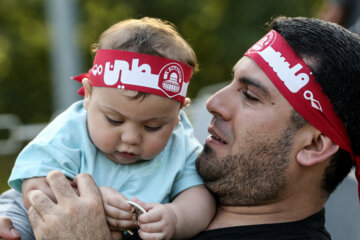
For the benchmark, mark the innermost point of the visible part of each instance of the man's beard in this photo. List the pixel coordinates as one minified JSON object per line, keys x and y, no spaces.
{"x":251,"y":178}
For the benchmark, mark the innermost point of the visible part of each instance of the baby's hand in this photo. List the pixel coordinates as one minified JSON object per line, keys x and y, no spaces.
{"x":158,"y":223}
{"x":119,"y":213}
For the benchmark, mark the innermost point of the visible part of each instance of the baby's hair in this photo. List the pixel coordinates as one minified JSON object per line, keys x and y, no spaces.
{"x":151,"y":36}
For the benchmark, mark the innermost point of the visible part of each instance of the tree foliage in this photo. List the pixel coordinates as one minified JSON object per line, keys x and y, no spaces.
{"x":219,"y":31}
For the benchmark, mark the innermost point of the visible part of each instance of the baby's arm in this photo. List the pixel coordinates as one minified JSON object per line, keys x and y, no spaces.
{"x":36,"y":183}
{"x":194,"y":209}
{"x":188,"y":214}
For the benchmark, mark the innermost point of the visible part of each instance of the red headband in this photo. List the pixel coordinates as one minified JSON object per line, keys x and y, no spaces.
{"x":295,"y":81}
{"x":139,"y":72}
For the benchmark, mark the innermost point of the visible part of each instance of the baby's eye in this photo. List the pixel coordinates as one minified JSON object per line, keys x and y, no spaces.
{"x":152,"y":129}
{"x":113,"y":121}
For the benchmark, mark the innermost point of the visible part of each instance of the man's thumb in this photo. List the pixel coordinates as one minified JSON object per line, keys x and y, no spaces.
{"x":7,"y":230}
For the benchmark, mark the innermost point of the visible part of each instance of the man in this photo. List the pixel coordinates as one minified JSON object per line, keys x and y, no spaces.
{"x":284,"y":134}
{"x":343,"y":12}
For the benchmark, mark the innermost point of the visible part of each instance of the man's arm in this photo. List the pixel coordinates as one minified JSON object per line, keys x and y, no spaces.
{"x":75,"y":216}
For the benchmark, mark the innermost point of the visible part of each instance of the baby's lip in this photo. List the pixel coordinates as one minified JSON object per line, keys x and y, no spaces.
{"x":128,"y":154}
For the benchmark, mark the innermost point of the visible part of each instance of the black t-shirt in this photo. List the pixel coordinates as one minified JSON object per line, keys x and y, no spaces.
{"x":310,"y":228}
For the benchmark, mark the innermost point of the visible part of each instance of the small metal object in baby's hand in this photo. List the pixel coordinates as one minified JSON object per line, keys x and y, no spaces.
{"x":138,"y":211}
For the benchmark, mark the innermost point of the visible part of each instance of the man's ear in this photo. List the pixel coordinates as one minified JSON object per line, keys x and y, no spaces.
{"x":318,"y":150}
{"x":88,"y":89}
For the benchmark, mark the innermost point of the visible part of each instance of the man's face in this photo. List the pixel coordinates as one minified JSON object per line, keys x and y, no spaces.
{"x":247,"y":154}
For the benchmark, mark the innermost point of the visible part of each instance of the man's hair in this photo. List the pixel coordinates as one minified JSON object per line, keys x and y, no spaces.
{"x":150,"y":36}
{"x":333,"y":55}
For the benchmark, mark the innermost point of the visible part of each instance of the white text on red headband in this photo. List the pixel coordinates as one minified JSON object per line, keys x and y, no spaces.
{"x":140,"y":72}
{"x":298,"y":85}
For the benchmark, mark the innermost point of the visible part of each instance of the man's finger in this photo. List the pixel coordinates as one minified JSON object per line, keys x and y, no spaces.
{"x":116,"y":235}
{"x":60,"y":186}
{"x":7,"y":230}
{"x":122,"y":225}
{"x":41,"y":202}
{"x":35,"y":219}
{"x":87,"y":187}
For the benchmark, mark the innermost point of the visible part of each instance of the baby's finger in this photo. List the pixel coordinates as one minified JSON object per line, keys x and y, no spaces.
{"x":117,"y":213}
{"x":150,"y":217}
{"x":114,"y":198}
{"x":146,"y":206}
{"x":154,"y":227}
{"x":120,"y":225}
{"x":150,"y":236}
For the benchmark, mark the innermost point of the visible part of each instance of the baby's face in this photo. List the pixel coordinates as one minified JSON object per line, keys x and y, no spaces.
{"x":130,"y":130}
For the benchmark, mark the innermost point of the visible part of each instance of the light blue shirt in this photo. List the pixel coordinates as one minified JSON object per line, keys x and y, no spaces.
{"x":65,"y":145}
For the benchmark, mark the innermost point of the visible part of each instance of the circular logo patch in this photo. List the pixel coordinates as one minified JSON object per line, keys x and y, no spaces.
{"x":171,"y":79}
{"x":263,"y":43}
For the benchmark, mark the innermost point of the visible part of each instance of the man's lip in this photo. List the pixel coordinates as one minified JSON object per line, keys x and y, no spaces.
{"x":215,"y":135}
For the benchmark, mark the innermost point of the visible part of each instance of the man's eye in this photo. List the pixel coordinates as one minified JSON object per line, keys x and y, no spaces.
{"x":249,"y":97}
{"x":114,"y":122}
{"x":152,"y":129}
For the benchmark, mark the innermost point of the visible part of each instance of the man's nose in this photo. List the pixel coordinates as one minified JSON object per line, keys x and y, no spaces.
{"x":220,"y":103}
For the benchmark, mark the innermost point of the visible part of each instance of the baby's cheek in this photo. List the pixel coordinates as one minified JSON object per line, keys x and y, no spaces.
{"x":103,"y":141}
{"x":154,"y":148}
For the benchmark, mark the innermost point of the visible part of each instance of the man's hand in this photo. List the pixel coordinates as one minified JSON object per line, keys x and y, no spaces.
{"x":74,"y":216}
{"x":7,"y":230}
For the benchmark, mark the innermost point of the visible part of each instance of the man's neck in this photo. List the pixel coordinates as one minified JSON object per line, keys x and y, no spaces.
{"x":229,"y":216}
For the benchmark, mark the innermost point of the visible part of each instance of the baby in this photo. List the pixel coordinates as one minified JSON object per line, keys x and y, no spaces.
{"x":130,"y":134}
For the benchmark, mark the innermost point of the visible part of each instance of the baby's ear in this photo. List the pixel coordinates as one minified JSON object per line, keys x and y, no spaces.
{"x":320,"y":149}
{"x":87,"y":88}
{"x":186,"y":103}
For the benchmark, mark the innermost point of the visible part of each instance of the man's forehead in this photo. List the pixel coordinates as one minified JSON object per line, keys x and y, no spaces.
{"x":246,"y":67}
{"x":246,"y":63}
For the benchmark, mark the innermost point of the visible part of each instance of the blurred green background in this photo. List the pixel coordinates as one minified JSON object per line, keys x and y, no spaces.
{"x":219,"y":31}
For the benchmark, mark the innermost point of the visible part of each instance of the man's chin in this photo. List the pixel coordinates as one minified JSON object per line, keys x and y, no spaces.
{"x":205,"y":163}
{"x":207,"y":149}
{"x":206,"y":154}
